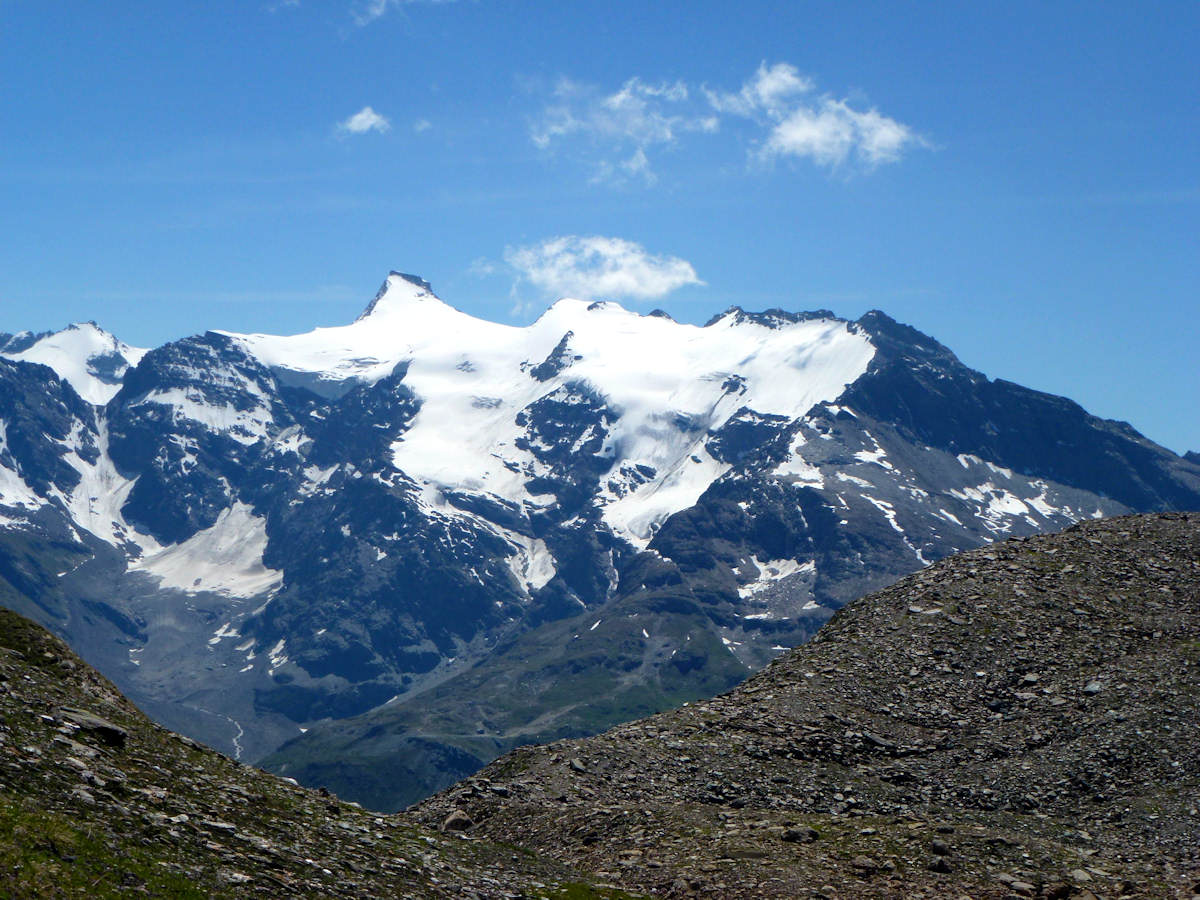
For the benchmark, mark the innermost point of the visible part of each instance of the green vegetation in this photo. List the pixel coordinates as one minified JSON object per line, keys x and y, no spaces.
{"x":45,"y":855}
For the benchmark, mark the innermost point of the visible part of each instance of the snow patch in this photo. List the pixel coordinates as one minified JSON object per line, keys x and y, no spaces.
{"x":226,"y":630}
{"x":13,"y":489}
{"x":225,"y":559}
{"x":244,"y":426}
{"x":770,"y":572}
{"x":950,"y":517}
{"x":277,"y":656}
{"x":854,"y":480}
{"x":876,"y":456}
{"x":85,"y":356}
{"x":995,"y":505}
{"x":533,"y":563}
{"x":889,"y":513}
{"x":95,"y":503}
{"x":797,"y":469}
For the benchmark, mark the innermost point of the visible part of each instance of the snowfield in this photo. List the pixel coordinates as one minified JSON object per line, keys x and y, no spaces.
{"x":85,"y":356}
{"x":669,"y":384}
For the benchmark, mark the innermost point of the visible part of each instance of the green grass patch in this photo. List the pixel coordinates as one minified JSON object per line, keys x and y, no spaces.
{"x":44,"y":854}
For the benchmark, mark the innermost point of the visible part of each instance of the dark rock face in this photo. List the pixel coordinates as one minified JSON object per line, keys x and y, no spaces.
{"x":44,"y":422}
{"x":237,"y":545}
{"x":560,"y":358}
{"x":363,"y":423}
{"x":161,"y":430}
{"x":1013,"y":720}
{"x":919,"y":386}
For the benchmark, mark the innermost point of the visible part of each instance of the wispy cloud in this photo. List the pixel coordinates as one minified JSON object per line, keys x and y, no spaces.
{"x":368,"y":11}
{"x":632,"y":119}
{"x":771,"y":90}
{"x":422,"y":125}
{"x":366,"y":119}
{"x":780,"y":109}
{"x":591,"y":267}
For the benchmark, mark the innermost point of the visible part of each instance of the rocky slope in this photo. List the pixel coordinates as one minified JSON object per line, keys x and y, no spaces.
{"x":379,"y":537}
{"x":97,"y":801}
{"x":1015,"y":721}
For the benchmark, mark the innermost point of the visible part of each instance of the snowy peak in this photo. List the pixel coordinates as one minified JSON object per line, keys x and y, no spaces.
{"x":398,"y":291}
{"x":638,"y":395}
{"x":84,"y":355}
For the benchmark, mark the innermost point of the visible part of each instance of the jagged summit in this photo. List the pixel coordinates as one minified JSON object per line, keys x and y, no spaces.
{"x":83,"y":354}
{"x":668,"y":384}
{"x":413,"y":279}
{"x":398,"y":289}
{"x":771,"y":318}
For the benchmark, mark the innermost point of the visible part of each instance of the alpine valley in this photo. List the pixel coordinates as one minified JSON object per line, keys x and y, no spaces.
{"x":376,"y":557}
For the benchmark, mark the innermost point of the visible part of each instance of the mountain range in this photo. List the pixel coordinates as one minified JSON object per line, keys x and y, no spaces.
{"x":377,"y":556}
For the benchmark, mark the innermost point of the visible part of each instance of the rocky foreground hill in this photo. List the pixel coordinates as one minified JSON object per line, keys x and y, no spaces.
{"x":97,"y":801}
{"x":1015,"y":721}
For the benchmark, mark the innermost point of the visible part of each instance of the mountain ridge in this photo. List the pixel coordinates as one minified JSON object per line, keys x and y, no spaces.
{"x":272,"y":531}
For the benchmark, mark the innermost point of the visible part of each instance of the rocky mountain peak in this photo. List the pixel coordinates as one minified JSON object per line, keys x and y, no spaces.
{"x":83,"y":354}
{"x":398,"y":291}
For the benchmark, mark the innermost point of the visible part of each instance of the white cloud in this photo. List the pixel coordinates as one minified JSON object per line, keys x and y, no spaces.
{"x":482,"y":267}
{"x":882,"y":139}
{"x":598,"y":267}
{"x":832,"y":134}
{"x":769,"y":90}
{"x":636,"y":166}
{"x":823,"y":129}
{"x":422,"y":125}
{"x":366,"y":119}
{"x":783,"y":117}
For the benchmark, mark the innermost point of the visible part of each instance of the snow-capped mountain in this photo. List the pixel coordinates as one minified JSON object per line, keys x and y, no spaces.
{"x":84,"y":355}
{"x":642,"y":394}
{"x":420,"y":517}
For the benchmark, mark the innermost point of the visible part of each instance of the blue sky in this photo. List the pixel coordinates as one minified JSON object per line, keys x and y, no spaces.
{"x":1019,"y":180}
